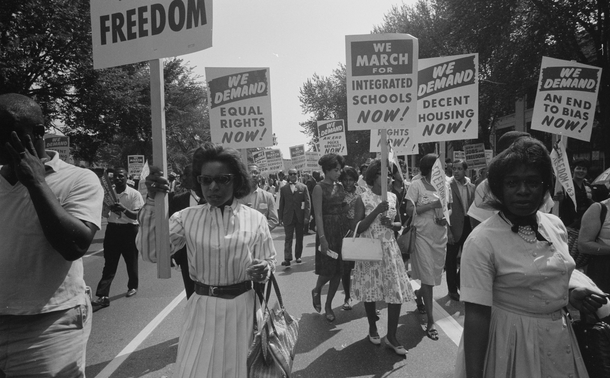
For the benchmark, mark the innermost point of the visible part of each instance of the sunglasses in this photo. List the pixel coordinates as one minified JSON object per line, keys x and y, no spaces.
{"x":292,"y":174}
{"x":221,"y":179}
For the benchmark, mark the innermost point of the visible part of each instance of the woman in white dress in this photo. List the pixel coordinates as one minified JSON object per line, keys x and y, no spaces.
{"x":384,"y":280}
{"x":515,"y":279}
{"x":428,"y":260}
{"x":229,"y":245}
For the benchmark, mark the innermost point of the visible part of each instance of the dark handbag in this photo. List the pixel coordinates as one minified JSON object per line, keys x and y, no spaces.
{"x":272,"y":351}
{"x":582,"y":259}
{"x":406,"y":240}
{"x":594,"y":344}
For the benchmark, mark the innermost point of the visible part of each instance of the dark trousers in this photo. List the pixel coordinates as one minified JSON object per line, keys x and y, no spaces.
{"x":182,"y":260}
{"x":451,"y":259}
{"x":290,"y":230}
{"x":120,"y":240}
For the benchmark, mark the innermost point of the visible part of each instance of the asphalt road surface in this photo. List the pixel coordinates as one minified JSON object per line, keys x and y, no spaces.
{"x":138,"y":336}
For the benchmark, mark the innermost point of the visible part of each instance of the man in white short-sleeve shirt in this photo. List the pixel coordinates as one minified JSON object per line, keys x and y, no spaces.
{"x":50,"y":213}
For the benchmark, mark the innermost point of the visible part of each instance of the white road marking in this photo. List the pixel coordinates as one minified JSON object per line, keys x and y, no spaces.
{"x":135,"y":343}
{"x":93,"y":253}
{"x":446,"y":322}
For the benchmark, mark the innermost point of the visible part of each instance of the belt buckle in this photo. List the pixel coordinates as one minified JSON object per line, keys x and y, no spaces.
{"x":213,"y":292}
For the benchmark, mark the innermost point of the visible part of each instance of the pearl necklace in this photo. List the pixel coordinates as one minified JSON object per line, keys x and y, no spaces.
{"x":526,"y":233}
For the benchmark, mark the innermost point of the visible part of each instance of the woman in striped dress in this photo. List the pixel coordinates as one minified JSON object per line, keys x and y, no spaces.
{"x":229,"y":245}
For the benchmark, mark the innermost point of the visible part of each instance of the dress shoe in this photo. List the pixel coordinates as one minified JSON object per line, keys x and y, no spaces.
{"x":102,"y":302}
{"x":299,"y":261}
{"x":131,"y":292}
{"x":376,"y":340}
{"x":285,"y":263}
{"x":399,"y":349}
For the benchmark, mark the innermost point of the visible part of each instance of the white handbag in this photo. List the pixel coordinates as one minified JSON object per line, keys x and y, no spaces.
{"x":361,"y":249}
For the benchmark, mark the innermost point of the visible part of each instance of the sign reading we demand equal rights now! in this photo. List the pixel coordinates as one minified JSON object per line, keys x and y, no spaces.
{"x":125,"y":32}
{"x":240,"y":106}
{"x":566,"y":98}
{"x":381,"y":81}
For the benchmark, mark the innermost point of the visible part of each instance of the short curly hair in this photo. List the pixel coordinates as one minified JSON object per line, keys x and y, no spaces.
{"x":329,"y":162}
{"x":527,"y":152}
{"x":211,"y":152}
{"x":372,"y":171}
{"x":348,"y":172}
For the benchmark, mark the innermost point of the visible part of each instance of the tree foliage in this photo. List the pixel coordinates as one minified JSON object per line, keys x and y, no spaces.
{"x":45,"y":53}
{"x":325,"y":98}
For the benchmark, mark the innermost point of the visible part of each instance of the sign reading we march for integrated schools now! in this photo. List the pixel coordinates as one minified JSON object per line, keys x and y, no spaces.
{"x":448,"y":99}
{"x":240,"y":106}
{"x":566,"y":98}
{"x":381,"y":81}
{"x":331,"y":136}
{"x":125,"y":32}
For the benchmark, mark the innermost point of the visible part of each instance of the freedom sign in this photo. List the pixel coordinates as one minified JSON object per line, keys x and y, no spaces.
{"x":400,"y":140}
{"x":125,"y":32}
{"x":297,"y":156}
{"x":240,"y":106}
{"x":331,"y":136}
{"x":448,"y":98}
{"x":566,"y":98}
{"x":475,"y":155}
{"x":381,"y":81}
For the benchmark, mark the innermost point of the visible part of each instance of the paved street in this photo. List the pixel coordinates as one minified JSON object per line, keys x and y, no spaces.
{"x":138,"y":336}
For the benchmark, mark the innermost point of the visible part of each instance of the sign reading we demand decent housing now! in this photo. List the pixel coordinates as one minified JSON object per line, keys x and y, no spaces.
{"x":566,"y":98}
{"x":125,"y":32}
{"x":240,"y":106}
{"x":381,"y":81}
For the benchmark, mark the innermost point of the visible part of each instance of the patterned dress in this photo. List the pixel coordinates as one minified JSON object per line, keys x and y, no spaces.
{"x":334,"y":211}
{"x":384,"y":280}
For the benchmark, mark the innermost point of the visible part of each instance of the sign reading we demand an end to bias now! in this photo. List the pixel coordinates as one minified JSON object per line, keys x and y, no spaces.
{"x":448,"y":98}
{"x":381,"y":81}
{"x":240,"y":106}
{"x":566,"y":98}
{"x":125,"y":32}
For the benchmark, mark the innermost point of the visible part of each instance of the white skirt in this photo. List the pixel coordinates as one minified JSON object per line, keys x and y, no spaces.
{"x":215,"y":338}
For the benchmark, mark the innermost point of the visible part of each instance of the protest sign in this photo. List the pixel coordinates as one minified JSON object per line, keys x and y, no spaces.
{"x":448,"y":98}
{"x":400,"y":140}
{"x":298,"y":158}
{"x":438,"y":180}
{"x":125,"y":32}
{"x":561,"y":166}
{"x":331,"y":136}
{"x":381,"y":81}
{"x":459,"y":155}
{"x":260,"y":160}
{"x":135,"y":163}
{"x":61,"y":144}
{"x":475,"y":155}
{"x":275,"y":163}
{"x":566,"y":98}
{"x":240,"y":106}
{"x":312,"y":161}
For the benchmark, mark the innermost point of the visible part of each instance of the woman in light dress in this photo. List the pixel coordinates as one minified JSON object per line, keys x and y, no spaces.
{"x":229,"y":246}
{"x":515,"y":279}
{"x":384,"y":280}
{"x":428,"y":260}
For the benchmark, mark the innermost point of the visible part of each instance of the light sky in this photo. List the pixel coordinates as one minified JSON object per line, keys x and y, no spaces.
{"x":295,"y":39}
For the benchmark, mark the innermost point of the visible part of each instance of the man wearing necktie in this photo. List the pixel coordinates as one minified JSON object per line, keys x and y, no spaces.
{"x":295,"y":206}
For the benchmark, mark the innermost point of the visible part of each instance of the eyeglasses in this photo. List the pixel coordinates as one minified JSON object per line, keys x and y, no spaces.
{"x":254,"y":172}
{"x":292,"y":174}
{"x":221,"y":179}
{"x":531,"y":184}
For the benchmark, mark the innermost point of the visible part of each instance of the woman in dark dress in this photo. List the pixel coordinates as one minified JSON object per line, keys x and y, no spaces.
{"x":331,"y":222}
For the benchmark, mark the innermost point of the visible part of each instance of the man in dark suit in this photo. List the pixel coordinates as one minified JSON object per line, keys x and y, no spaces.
{"x":463,"y":195}
{"x":178,"y":202}
{"x":295,"y":206}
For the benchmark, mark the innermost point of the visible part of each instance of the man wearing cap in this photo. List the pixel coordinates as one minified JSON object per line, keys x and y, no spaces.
{"x":295,"y":206}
